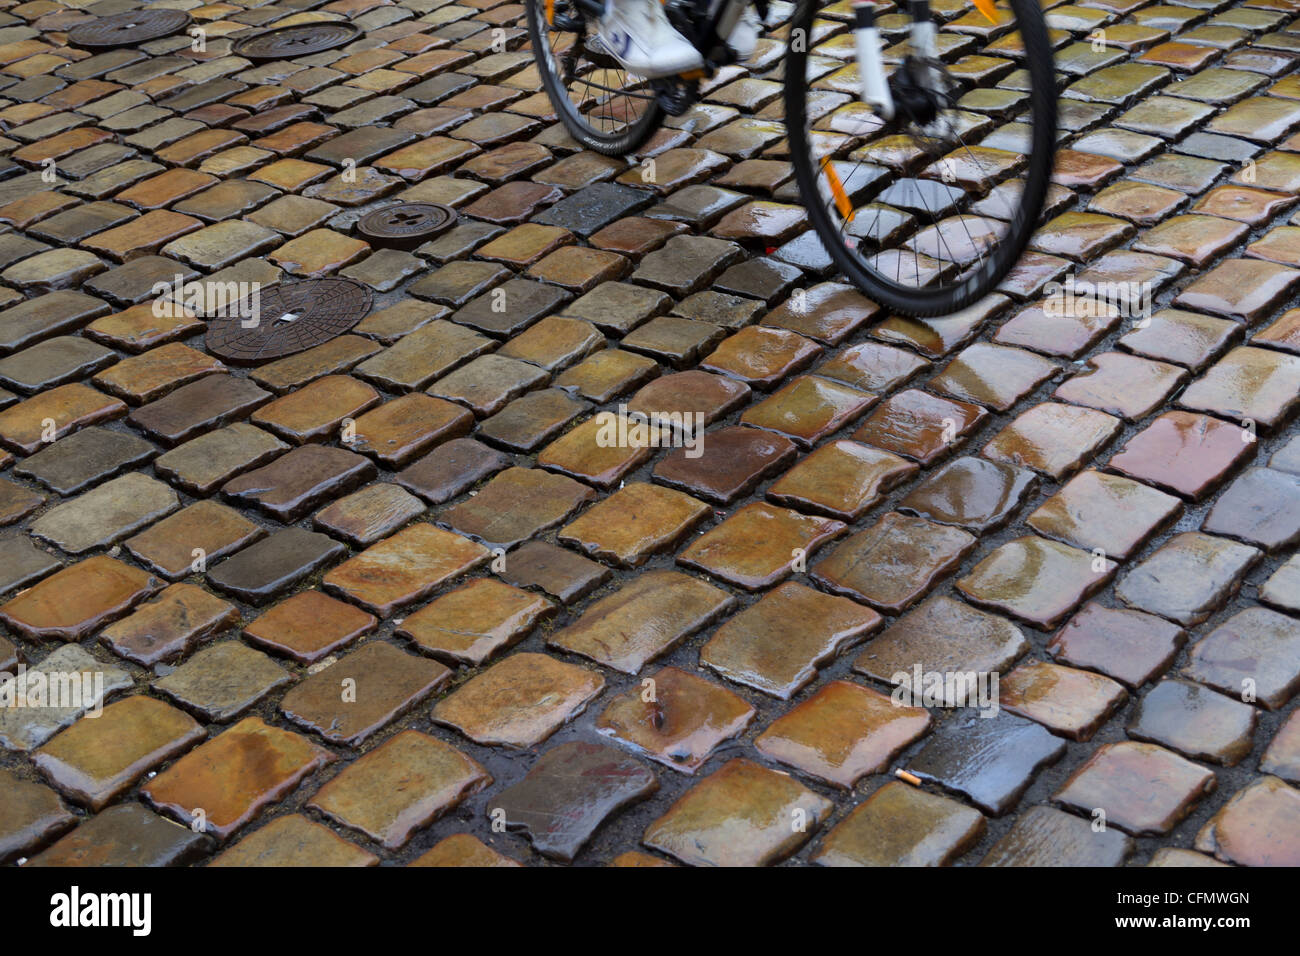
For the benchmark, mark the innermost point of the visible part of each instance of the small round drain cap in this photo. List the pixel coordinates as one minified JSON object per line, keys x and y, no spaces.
{"x":406,"y":225}
{"x":301,"y":40}
{"x":287,"y":318}
{"x":127,"y":29}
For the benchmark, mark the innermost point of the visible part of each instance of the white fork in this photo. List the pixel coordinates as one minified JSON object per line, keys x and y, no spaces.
{"x":871,"y":65}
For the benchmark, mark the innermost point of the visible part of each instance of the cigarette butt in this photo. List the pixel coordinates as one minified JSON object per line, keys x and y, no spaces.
{"x":911,"y":778}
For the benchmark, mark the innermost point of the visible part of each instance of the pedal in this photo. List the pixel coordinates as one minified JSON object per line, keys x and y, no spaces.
{"x":595,"y":52}
{"x":676,"y":97}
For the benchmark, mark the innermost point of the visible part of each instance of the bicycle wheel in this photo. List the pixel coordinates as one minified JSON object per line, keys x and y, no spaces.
{"x":603,"y":107}
{"x":928,"y":212}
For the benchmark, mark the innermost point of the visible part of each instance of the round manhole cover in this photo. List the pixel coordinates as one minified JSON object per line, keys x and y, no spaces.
{"x":406,"y":224}
{"x":287,"y":318}
{"x":128,"y":29}
{"x":301,"y":40}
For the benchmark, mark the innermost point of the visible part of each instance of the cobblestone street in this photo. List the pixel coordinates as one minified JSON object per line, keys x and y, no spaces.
{"x":397,"y":598}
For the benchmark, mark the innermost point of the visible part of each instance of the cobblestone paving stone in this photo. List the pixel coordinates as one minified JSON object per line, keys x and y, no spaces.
{"x":391,"y":601}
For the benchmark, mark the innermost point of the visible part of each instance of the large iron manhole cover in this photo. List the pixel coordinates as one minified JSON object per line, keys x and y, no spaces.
{"x":301,"y":40}
{"x":288,"y":318}
{"x":406,"y":225}
{"x":128,"y":29}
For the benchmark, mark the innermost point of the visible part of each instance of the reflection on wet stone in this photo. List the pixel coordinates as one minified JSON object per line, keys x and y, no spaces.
{"x":423,"y":552}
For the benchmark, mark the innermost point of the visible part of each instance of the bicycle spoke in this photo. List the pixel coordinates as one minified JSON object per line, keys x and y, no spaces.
{"x":914,"y":213}
{"x":600,"y":104}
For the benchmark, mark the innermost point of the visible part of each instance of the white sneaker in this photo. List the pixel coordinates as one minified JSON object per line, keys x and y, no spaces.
{"x":638,"y":33}
{"x":744,"y":35}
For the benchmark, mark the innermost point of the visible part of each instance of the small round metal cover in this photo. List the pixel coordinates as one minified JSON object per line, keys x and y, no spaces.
{"x":406,"y":225}
{"x":304,"y":39}
{"x":287,"y":318}
{"x":127,"y":29}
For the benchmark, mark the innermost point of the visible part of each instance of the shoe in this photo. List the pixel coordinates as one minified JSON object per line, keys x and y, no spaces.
{"x":638,"y":33}
{"x":744,"y":35}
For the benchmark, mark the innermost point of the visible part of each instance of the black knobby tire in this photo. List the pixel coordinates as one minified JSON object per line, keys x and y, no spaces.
{"x":617,"y":143}
{"x":946,"y":298}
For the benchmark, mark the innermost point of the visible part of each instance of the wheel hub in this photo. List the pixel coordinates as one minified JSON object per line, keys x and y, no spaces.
{"x":915,"y":87}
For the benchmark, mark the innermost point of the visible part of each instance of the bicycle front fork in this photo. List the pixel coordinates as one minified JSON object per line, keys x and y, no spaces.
{"x":871,"y":64}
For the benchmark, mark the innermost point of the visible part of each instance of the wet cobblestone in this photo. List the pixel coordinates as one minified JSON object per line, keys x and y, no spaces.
{"x":393,"y":600}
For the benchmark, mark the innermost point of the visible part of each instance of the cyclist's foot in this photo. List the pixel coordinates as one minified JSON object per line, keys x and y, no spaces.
{"x":638,"y":33}
{"x":744,"y":35}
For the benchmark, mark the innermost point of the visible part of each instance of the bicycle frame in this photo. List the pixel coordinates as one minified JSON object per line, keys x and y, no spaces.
{"x":874,"y":88}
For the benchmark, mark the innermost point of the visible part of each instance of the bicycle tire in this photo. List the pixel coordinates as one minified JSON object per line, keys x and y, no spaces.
{"x":608,"y":144}
{"x":918,"y":300}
